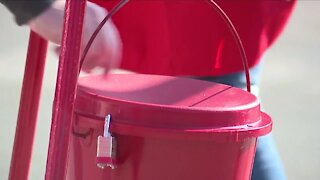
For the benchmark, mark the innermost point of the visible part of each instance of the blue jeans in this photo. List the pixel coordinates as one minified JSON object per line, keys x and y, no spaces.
{"x":267,"y":162}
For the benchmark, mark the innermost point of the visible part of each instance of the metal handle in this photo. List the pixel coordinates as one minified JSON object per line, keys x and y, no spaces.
{"x":214,"y":5}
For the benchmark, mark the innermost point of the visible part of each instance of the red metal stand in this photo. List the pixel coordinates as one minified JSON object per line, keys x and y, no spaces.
{"x":28,"y":110}
{"x":68,"y":72}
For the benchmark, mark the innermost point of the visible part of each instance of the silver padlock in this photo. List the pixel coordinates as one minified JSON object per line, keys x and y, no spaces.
{"x":106,"y":147}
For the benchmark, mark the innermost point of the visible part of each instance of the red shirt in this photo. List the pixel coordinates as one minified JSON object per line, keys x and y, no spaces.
{"x":177,"y":37}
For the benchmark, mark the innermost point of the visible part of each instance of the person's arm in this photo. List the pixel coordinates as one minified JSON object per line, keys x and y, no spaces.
{"x":24,"y":11}
{"x":45,"y":17}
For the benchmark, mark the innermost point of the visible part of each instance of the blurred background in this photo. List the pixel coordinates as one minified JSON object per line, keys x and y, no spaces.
{"x":290,"y":93}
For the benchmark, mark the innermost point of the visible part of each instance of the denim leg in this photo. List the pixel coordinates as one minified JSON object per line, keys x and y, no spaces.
{"x":267,"y":162}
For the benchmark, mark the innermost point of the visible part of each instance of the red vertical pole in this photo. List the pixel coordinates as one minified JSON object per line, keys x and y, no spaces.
{"x":28,"y":110}
{"x":67,"y":78}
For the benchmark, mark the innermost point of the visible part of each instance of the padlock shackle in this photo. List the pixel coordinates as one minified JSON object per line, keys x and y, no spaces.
{"x":106,"y":131}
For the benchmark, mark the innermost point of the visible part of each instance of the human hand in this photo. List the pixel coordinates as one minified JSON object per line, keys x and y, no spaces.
{"x":106,"y":49}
